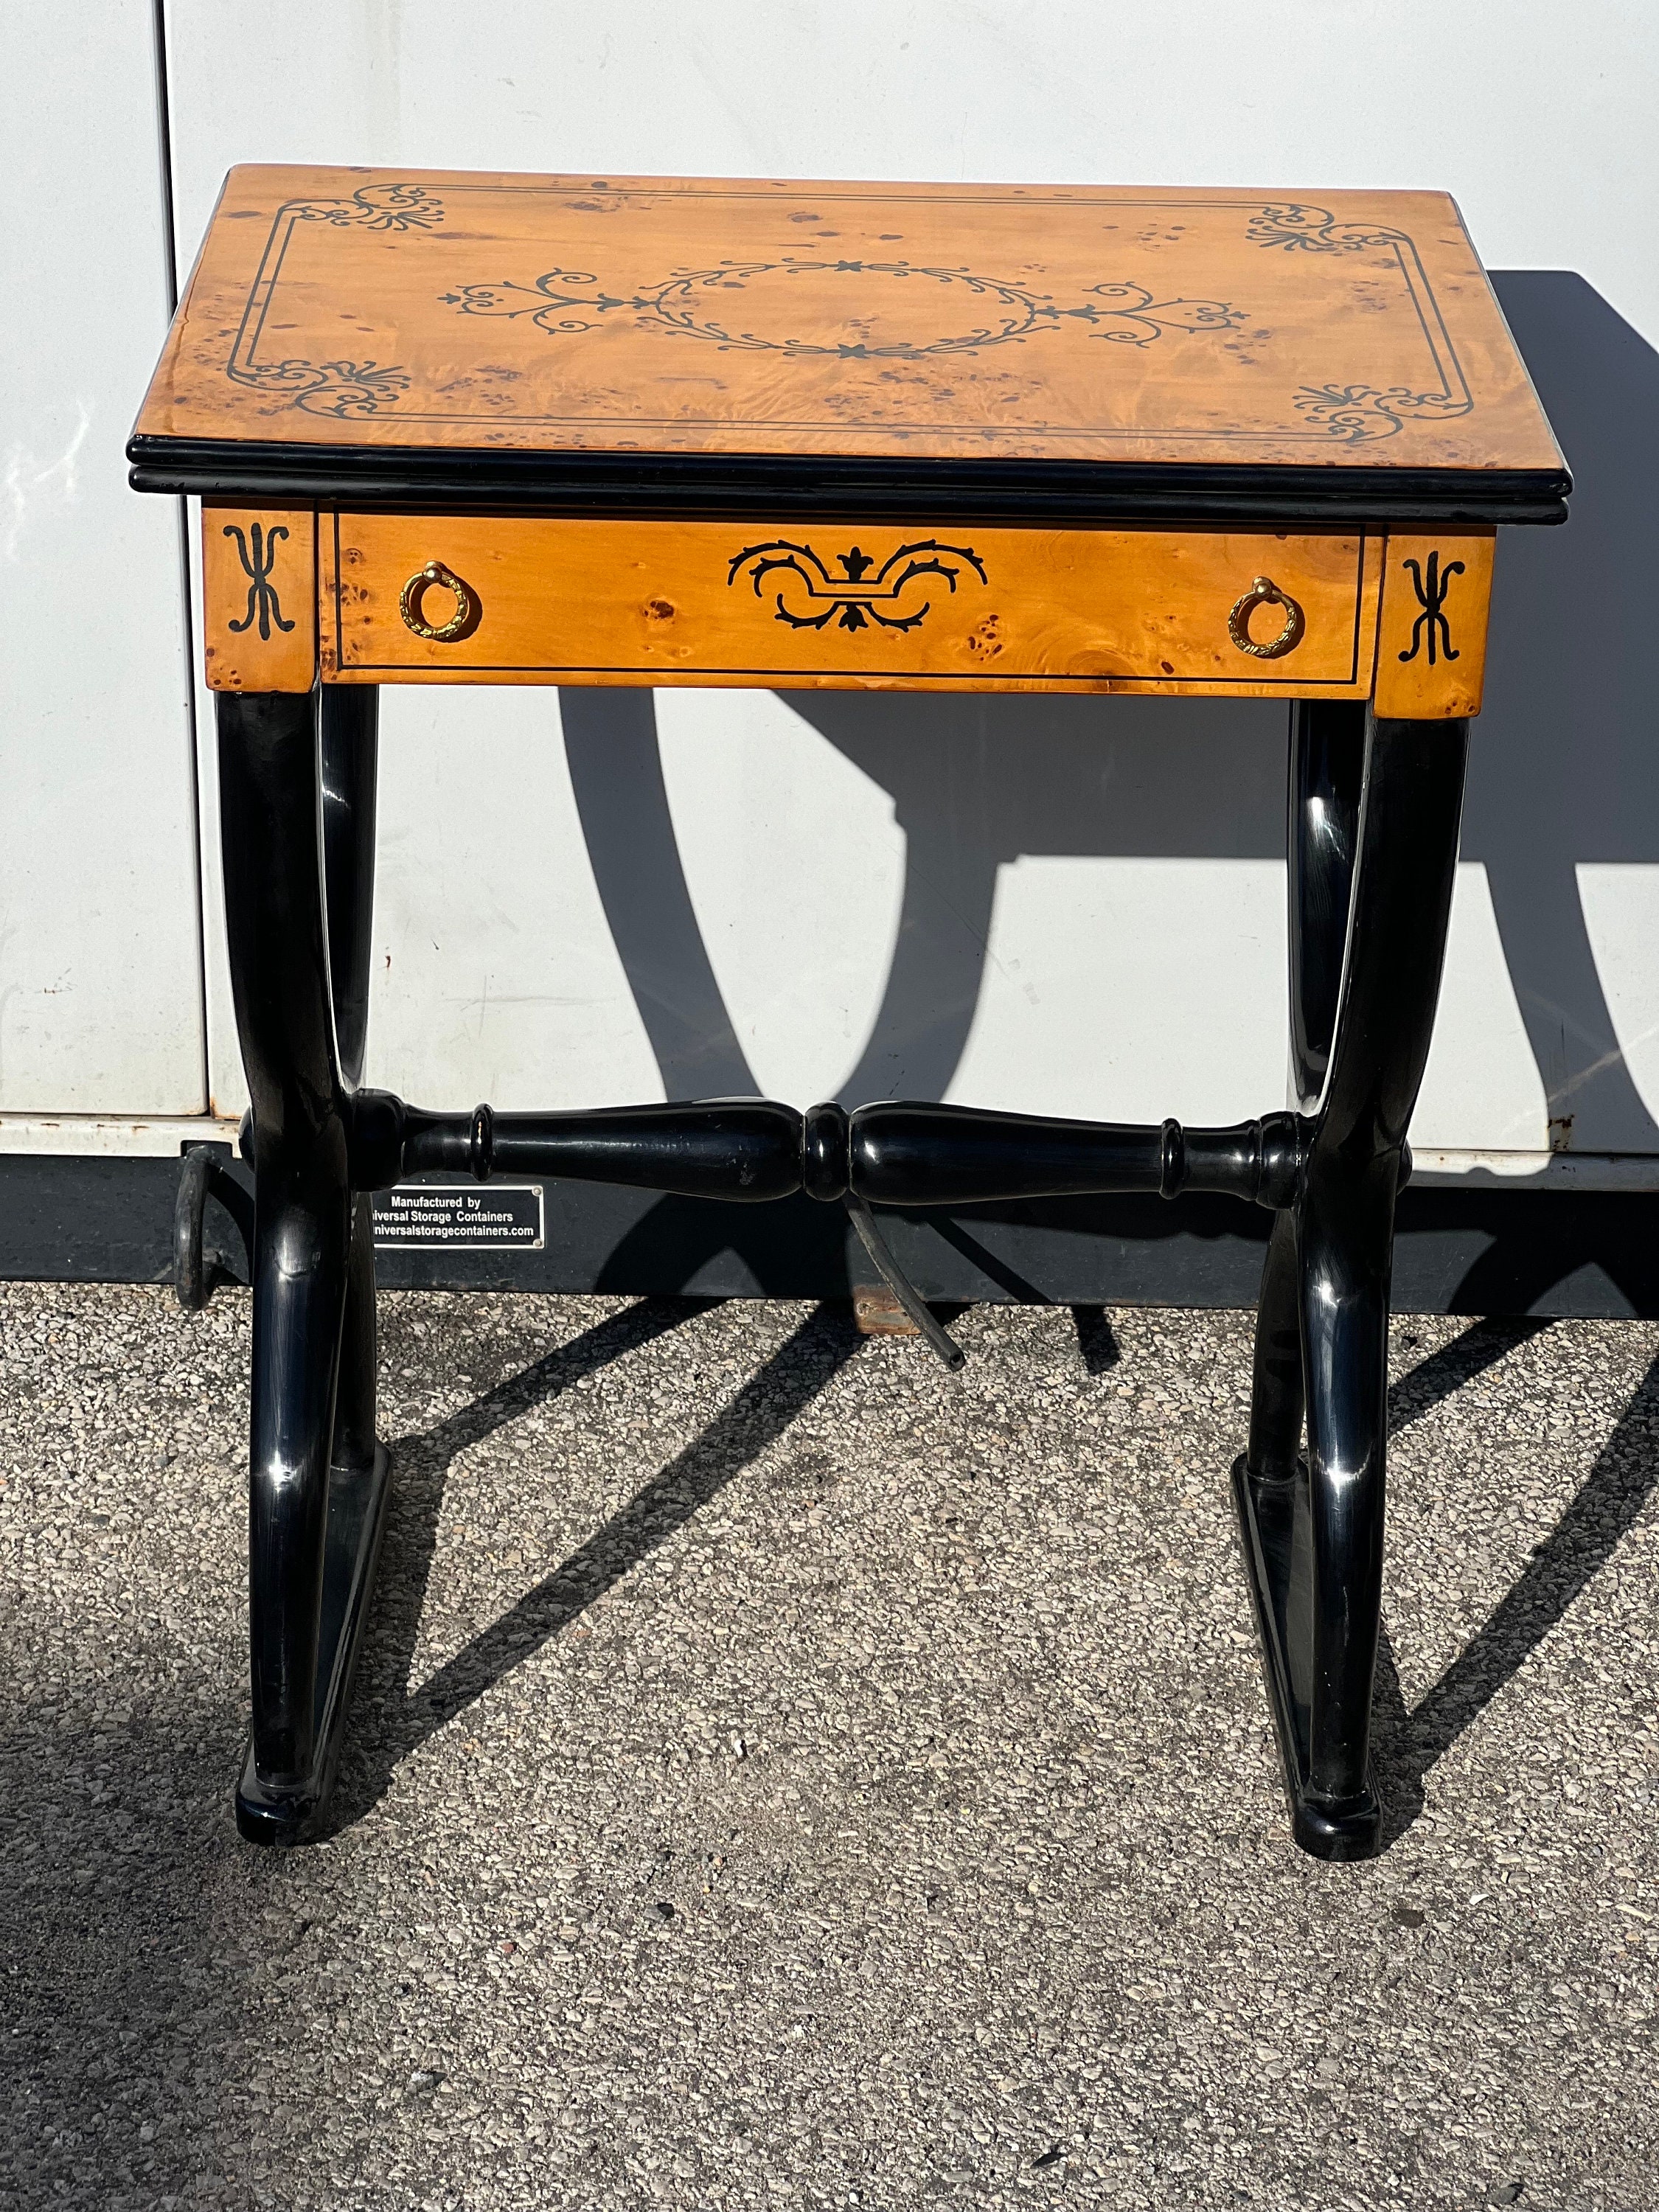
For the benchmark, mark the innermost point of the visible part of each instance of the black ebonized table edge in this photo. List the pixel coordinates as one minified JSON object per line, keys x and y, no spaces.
{"x":665,"y":487}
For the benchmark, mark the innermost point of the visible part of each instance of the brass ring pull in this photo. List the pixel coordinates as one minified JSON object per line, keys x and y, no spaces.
{"x":411,"y":600}
{"x":1264,"y":592}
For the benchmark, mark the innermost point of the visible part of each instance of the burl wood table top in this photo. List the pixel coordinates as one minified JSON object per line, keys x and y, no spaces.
{"x":682,"y":346}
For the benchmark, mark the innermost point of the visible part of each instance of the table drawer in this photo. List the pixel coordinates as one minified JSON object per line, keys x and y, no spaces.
{"x":406,"y":598}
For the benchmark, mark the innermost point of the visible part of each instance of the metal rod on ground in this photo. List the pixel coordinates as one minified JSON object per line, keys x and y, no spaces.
{"x":888,"y":1267}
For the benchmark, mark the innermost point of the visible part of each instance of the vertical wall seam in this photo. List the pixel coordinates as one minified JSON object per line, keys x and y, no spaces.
{"x":186,"y":612}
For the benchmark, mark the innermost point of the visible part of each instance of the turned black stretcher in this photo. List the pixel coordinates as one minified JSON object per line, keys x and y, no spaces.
{"x":1366,"y":936}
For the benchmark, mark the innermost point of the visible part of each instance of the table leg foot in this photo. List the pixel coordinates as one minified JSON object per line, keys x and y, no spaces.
{"x":1374,"y":855}
{"x":1275,"y":1531}
{"x":267,"y":1813}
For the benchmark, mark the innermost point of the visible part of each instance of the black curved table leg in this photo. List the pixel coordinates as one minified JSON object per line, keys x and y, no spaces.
{"x":313,"y":1536}
{"x":1327,"y":761}
{"x":1276,"y":1400}
{"x":1326,"y":773}
{"x":1313,"y":1528}
{"x":1373,"y":860}
{"x":349,"y":746}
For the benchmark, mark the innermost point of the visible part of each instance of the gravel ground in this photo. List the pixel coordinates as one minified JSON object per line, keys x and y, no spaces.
{"x":782,"y":1773}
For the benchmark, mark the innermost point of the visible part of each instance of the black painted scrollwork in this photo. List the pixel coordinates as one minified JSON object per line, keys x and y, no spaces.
{"x":341,"y":388}
{"x":1356,"y":413}
{"x":563,"y":301}
{"x":857,"y":597}
{"x":704,"y":304}
{"x":1302,"y":228}
{"x":376,"y":207}
{"x":1431,"y":583}
{"x":262,"y":604}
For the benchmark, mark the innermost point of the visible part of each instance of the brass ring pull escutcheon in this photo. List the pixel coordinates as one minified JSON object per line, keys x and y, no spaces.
{"x":412,"y":601}
{"x":1264,"y":592}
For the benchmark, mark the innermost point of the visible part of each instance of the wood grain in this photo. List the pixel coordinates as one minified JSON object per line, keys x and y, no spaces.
{"x":720,"y":603}
{"x":1430,"y":665}
{"x":260,"y":584}
{"x":438,"y":310}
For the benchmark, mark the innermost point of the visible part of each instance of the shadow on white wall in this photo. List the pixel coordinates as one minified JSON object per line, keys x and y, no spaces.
{"x":1565,"y":777}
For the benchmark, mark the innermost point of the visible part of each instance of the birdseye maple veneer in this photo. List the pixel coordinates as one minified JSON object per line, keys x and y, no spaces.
{"x":470,"y":429}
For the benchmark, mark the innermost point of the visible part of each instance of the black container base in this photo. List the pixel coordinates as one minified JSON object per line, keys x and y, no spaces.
{"x":1274,"y":1529}
{"x":358,"y":1500}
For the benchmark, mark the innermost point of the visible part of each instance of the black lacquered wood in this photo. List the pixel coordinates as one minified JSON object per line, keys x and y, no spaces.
{"x":349,"y":740}
{"x":1371,"y":884}
{"x":1402,"y":903}
{"x":1314,"y":1529}
{"x":267,"y":1812}
{"x":195,"y":1264}
{"x":1276,"y":1396}
{"x":825,"y":1152}
{"x":269,"y":800}
{"x":313,"y":1525}
{"x":747,"y":1150}
{"x":751,"y":1151}
{"x":1328,"y":760}
{"x":673,"y":487}
{"x":1326,"y":766}
{"x":916,"y":1155}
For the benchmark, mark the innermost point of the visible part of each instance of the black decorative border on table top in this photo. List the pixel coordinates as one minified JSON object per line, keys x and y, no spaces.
{"x":1351,"y":414}
{"x":330,"y":387}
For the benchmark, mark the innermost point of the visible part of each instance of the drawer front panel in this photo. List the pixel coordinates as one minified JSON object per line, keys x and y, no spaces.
{"x":411,"y":598}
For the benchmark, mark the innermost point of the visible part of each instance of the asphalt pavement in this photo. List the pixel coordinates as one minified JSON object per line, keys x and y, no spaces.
{"x":785,"y":1773}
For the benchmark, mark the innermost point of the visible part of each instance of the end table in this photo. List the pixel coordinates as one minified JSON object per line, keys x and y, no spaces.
{"x":478,"y":428}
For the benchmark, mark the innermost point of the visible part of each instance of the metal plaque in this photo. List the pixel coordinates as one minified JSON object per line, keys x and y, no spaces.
{"x":466,"y":1216}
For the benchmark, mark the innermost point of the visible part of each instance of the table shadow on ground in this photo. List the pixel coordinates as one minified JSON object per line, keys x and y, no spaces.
{"x":1406,"y":1744}
{"x":126,"y":1948}
{"x":393,"y":1719}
